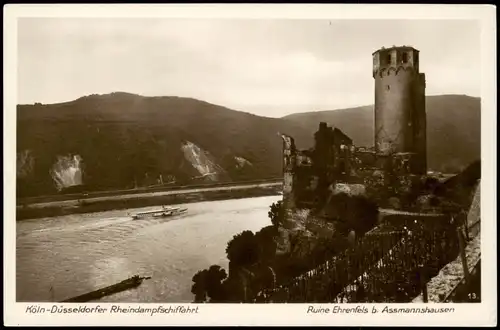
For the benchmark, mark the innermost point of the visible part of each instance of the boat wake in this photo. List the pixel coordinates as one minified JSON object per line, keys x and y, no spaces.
{"x":64,"y":228}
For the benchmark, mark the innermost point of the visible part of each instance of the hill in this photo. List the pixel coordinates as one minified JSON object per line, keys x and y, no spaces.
{"x":121,"y":140}
{"x":453,"y":128}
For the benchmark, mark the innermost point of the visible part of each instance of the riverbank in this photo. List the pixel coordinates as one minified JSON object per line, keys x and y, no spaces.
{"x":90,"y":205}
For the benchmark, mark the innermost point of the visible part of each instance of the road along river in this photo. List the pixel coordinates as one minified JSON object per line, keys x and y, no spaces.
{"x":61,"y":257}
{"x":75,"y":202}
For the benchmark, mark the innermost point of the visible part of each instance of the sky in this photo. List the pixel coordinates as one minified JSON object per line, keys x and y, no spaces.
{"x":267,"y":67}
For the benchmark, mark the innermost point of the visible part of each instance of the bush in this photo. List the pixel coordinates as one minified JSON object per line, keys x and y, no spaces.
{"x":356,"y":213}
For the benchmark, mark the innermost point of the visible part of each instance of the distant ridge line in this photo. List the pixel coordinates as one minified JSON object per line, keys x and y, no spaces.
{"x":370,"y":106}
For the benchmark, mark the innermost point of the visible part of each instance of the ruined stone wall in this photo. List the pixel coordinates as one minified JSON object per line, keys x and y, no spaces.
{"x":289,"y":160}
{"x":332,"y":167}
{"x":388,"y":180}
{"x":308,"y":174}
{"x":289,"y":222}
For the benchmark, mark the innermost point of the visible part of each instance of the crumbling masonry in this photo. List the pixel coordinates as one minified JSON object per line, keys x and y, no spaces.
{"x":334,"y":165}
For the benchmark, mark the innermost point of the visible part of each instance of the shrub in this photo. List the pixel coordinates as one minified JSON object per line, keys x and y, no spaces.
{"x":356,"y":213}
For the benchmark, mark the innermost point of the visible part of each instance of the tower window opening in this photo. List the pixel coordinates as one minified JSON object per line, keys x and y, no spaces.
{"x":389,"y":59}
{"x":404,"y":58}
{"x":388,"y":87}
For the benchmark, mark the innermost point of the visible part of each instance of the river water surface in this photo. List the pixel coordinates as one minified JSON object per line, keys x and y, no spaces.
{"x":58,"y":258}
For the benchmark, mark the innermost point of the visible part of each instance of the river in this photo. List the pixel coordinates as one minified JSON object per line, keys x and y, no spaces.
{"x":61,"y":257}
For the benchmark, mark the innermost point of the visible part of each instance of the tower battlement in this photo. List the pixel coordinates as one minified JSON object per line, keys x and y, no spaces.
{"x":395,"y":58}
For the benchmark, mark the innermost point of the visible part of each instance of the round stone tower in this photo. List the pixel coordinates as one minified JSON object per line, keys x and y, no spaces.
{"x":400,"y":106}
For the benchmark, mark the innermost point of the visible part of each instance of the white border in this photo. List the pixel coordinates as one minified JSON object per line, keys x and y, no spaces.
{"x":285,"y":314}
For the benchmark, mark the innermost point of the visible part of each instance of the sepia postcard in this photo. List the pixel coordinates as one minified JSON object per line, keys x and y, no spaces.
{"x":250,"y":164}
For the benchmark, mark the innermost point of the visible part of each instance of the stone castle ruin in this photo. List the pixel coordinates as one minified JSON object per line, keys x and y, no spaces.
{"x":388,"y":172}
{"x":370,"y":223}
{"x":352,"y":225}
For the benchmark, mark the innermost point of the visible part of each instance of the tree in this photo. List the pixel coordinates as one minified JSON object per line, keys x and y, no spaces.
{"x":199,"y":288}
{"x":277,"y":214}
{"x":243,"y":249}
{"x":266,"y":242}
{"x":215,"y":279}
{"x":208,"y":283}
